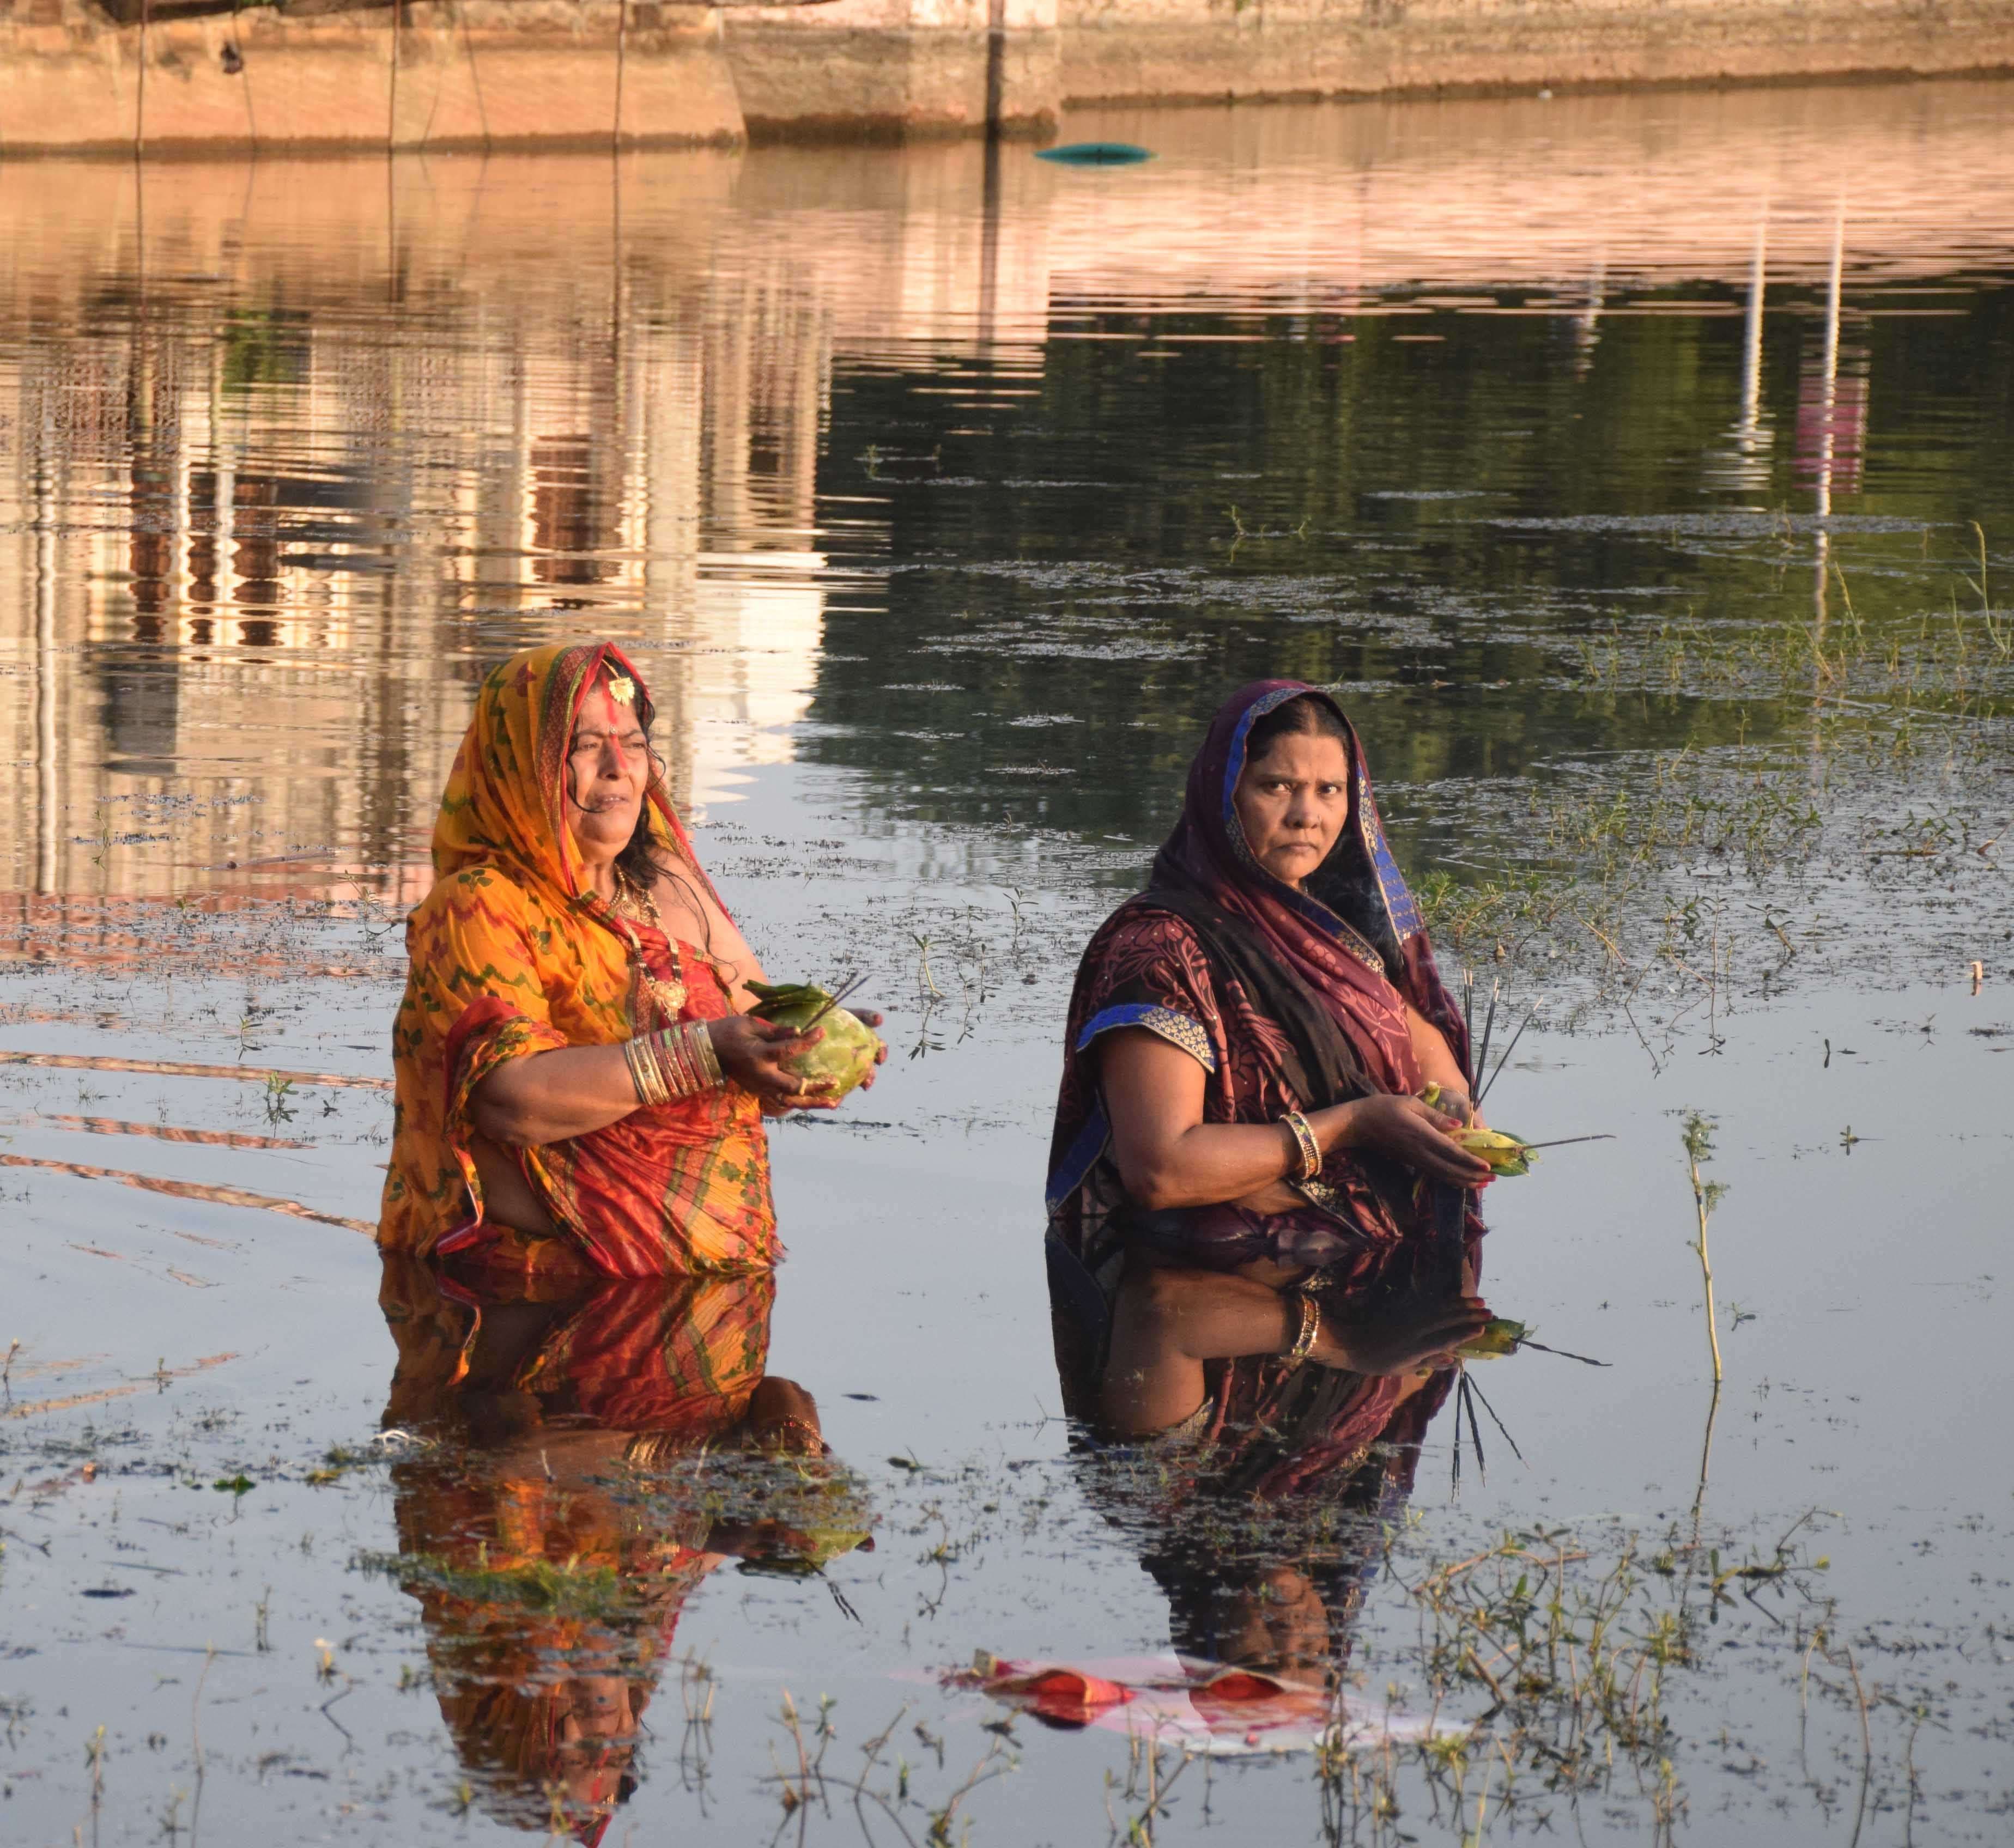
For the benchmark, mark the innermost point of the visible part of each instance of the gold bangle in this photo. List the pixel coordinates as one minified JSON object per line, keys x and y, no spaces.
{"x":684,"y":1059}
{"x":648,"y":1449}
{"x":669,"y":1045}
{"x":644,"y":1072}
{"x":1304,"y":1342}
{"x":695,"y":1080}
{"x":708,"y":1055}
{"x":1305,"y":1144}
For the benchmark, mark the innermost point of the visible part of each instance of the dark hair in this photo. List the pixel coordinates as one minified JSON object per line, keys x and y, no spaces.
{"x":1304,"y":716}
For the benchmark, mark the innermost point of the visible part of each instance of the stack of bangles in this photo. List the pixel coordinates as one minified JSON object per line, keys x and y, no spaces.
{"x":1307,"y":1150}
{"x":673,"y":1062}
{"x":1304,"y":1338}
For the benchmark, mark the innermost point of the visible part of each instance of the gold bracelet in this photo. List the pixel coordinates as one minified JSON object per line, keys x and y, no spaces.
{"x":648,"y":1449}
{"x":1304,"y":1342}
{"x":684,"y":1059}
{"x":1306,"y":1145}
{"x":644,"y":1073}
{"x":670,"y":1042}
{"x":708,"y":1055}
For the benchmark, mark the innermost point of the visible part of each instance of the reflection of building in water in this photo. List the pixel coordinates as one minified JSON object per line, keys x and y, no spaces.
{"x":260,"y":556}
{"x":285,"y":458}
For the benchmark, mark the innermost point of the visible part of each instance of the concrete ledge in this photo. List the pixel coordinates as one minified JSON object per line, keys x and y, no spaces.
{"x":594,"y":73}
{"x":1193,"y":51}
{"x":492,"y":74}
{"x":890,"y":84}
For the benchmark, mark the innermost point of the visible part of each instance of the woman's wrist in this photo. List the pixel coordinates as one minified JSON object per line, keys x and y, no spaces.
{"x":1304,"y":1318}
{"x":1304,"y":1149}
{"x":674,"y":1062}
{"x":1337,"y":1127}
{"x":706,"y":1050}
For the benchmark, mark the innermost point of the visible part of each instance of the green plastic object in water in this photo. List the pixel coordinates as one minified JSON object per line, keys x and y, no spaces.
{"x":1096,"y":154}
{"x":845,"y":1054}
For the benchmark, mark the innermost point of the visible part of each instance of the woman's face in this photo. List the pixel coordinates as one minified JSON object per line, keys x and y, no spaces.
{"x":608,"y":768}
{"x":1292,"y":802}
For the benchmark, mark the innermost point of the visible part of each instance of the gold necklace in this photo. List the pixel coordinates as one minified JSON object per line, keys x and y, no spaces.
{"x":633,"y":902}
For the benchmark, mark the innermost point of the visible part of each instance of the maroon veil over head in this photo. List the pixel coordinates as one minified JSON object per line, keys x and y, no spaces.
{"x":1354,"y":921}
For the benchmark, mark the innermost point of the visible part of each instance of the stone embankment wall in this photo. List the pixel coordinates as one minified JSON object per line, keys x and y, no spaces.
{"x":428,"y":73}
{"x":1194,"y":50}
{"x":165,"y":76}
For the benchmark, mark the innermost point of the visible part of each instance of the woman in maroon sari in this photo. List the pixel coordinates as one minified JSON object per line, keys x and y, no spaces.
{"x":1247,"y":1041}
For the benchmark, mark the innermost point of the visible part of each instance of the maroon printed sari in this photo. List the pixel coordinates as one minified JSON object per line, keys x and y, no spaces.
{"x":1289,"y":999}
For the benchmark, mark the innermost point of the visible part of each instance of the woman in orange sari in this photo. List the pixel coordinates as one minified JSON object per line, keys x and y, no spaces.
{"x":578,"y":1084}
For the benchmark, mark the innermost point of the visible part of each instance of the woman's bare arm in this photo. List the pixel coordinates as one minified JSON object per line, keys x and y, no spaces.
{"x":1168,"y":1322}
{"x":1431,"y":1051}
{"x":1168,"y":1156}
{"x":549,"y":1096}
{"x":570,"y":1090}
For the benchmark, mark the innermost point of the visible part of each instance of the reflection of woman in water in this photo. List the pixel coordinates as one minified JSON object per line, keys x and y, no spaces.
{"x":579,"y":1084}
{"x":1240,"y":1132}
{"x":548,"y":1554}
{"x":1263,"y":1529}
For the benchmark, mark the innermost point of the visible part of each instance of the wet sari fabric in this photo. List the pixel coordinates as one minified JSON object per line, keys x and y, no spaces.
{"x":1263,"y":1519}
{"x":1288,"y":999}
{"x":513,"y":954}
{"x":540,"y":1577}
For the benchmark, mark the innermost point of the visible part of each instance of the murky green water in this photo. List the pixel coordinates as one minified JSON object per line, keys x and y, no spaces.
{"x":1621,"y":458}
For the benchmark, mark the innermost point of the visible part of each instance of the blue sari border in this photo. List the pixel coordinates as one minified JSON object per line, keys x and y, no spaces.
{"x":1235,"y":764}
{"x":1177,"y":1028}
{"x":1400,"y":905}
{"x":1082,"y":1155}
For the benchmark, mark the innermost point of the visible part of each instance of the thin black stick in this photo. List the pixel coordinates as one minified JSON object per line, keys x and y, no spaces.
{"x":1562,"y":1353}
{"x":1499,"y":1423}
{"x":1474,"y":1430}
{"x":1506,"y":1059}
{"x":1568,"y":1141}
{"x":839,"y":995}
{"x":1468,"y":1009}
{"x":1489,"y":1022}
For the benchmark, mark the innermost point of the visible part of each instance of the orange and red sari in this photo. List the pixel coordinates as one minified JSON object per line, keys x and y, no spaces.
{"x":540,"y":1571}
{"x":513,"y":953}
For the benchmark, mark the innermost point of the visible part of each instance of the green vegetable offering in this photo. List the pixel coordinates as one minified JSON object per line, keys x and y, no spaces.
{"x":847,"y":1053}
{"x":1505,"y":1154}
{"x":1500,"y":1337}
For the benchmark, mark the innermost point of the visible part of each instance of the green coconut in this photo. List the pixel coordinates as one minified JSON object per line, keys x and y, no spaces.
{"x":843,"y":1057}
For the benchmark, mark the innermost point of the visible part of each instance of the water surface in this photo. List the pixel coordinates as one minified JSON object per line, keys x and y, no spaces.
{"x":1620,"y":457}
